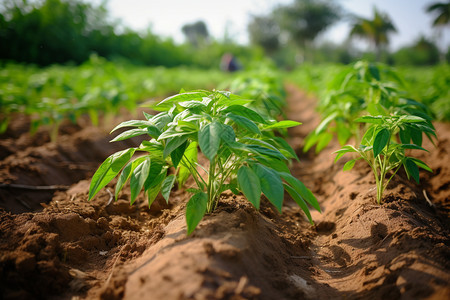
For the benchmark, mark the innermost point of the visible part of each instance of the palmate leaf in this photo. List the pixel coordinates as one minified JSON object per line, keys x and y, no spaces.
{"x":108,"y":170}
{"x":250,"y":185}
{"x":195,"y":210}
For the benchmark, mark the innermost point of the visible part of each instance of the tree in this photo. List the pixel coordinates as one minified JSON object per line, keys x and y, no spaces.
{"x":304,"y":20}
{"x":375,"y":30}
{"x":196,"y":33}
{"x":264,"y":31}
{"x":441,"y":11}
{"x":422,"y":52}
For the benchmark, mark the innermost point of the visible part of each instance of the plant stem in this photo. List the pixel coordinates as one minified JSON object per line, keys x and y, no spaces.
{"x":211,"y":179}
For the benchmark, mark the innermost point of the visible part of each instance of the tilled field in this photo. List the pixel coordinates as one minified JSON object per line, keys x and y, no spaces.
{"x":54,"y":244}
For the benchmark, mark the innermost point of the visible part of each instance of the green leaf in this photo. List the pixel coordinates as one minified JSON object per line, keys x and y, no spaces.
{"x":271,"y":184}
{"x":381,"y":140}
{"x":129,"y":134}
{"x":192,"y":104}
{"x":173,"y":143}
{"x":167,"y":186}
{"x":177,"y":154}
{"x":412,"y":119}
{"x":198,"y":95}
{"x":301,"y":189}
{"x":132,"y":123}
{"x":189,"y":158}
{"x":250,"y":185}
{"x":152,"y":187}
{"x":412,"y":146}
{"x":245,"y":123}
{"x":153,"y":131}
{"x":416,"y":136}
{"x":349,"y":165}
{"x":161,"y":120}
{"x":405,"y":135}
{"x":227,"y":133}
{"x":370,"y":119}
{"x":257,"y":149}
{"x":368,"y":136}
{"x":324,"y":139}
{"x":310,"y":140}
{"x":108,"y":170}
{"x":138,"y":178}
{"x":374,"y":72}
{"x":285,"y":145}
{"x":344,"y":150}
{"x":343,"y":133}
{"x":274,"y":163}
{"x":411,"y":169}
{"x":195,"y":210}
{"x":209,"y":139}
{"x":245,"y":112}
{"x":126,"y":174}
{"x":147,"y":116}
{"x":324,"y":124}
{"x":421,"y":164}
{"x":282,"y":124}
{"x":298,"y":199}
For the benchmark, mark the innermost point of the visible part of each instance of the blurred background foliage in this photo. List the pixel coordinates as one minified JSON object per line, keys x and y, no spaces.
{"x":45,"y":32}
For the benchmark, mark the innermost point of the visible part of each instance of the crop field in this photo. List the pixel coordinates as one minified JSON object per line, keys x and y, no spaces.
{"x":126,"y":182}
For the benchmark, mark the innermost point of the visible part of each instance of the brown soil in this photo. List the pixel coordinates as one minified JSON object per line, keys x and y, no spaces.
{"x":54,"y":244}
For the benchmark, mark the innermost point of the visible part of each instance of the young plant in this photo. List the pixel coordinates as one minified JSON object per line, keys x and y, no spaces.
{"x":366,"y":88}
{"x":384,"y":144}
{"x":243,"y":155}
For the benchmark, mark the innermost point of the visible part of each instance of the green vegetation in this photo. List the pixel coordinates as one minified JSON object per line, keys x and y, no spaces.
{"x":384,"y":144}
{"x":243,"y":153}
{"x":97,"y":88}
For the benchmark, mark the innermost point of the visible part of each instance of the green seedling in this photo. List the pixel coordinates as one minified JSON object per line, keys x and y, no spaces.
{"x":384,"y":144}
{"x":366,"y":88}
{"x":242,"y":155}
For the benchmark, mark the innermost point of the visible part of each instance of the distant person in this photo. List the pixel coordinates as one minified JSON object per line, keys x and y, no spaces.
{"x":229,"y":63}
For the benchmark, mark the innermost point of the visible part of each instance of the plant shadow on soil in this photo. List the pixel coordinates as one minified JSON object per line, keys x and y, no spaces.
{"x":357,"y":249}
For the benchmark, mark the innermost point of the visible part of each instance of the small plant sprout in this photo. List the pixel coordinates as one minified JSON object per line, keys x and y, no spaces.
{"x":242,"y":154}
{"x":384,"y":144}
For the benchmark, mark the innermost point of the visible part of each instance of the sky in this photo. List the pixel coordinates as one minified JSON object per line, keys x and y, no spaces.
{"x":166,"y":17}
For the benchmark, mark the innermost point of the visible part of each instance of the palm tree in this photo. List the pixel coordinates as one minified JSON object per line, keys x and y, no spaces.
{"x":442,"y":12}
{"x":375,"y":30}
